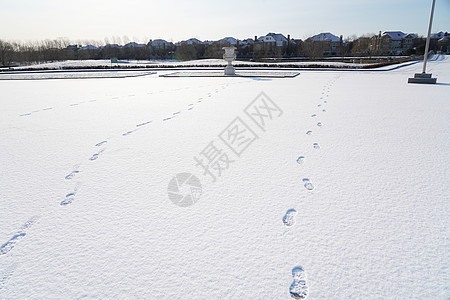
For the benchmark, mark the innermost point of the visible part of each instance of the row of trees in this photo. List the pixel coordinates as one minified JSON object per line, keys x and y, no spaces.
{"x":59,"y":49}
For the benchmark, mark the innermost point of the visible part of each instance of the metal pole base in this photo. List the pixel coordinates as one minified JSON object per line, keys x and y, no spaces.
{"x":422,"y":78}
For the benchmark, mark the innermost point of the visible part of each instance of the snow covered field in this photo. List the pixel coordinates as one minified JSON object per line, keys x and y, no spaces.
{"x":343,"y":192}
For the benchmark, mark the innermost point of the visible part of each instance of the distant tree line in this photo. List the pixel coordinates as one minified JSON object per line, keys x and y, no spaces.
{"x":24,"y":53}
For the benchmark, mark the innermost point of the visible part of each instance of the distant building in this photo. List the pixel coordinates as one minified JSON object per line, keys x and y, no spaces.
{"x":73,"y":47}
{"x":271,"y":44}
{"x":111,"y":46}
{"x":134,"y":45}
{"x":160,"y":44}
{"x":329,"y":43}
{"x":89,"y":47}
{"x":443,"y":44}
{"x":229,"y":40}
{"x":392,"y":42}
{"x":191,"y":41}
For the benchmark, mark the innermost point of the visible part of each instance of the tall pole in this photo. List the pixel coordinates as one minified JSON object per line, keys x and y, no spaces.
{"x":427,"y":46}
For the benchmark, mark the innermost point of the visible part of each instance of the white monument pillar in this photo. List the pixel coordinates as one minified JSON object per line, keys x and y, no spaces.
{"x":229,"y":56}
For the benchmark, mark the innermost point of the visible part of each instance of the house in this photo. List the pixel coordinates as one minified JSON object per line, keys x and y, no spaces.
{"x":271,"y":44}
{"x":246,"y":42}
{"x":281,"y":40}
{"x":160,"y":44}
{"x":438,"y":41}
{"x":134,"y":45}
{"x":89,"y":47}
{"x":191,"y":41}
{"x":228,"y":40}
{"x":438,"y":35}
{"x":444,"y":44}
{"x":328,"y":43}
{"x":392,"y":42}
{"x":111,"y":46}
{"x":73,"y":48}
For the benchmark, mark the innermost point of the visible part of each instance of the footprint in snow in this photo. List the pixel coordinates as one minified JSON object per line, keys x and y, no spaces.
{"x":319,"y":124}
{"x":176,"y":113}
{"x":299,"y":289}
{"x":300,"y":159}
{"x":68,"y":199}
{"x":101,"y":143}
{"x":324,"y":110}
{"x":142,"y":124}
{"x":316,"y":146}
{"x":20,"y":234}
{"x":314,"y":115}
{"x":289,"y":217}
{"x":96,"y":155}
{"x":23,"y":115}
{"x":308,"y":185}
{"x":48,"y":108}
{"x":71,"y":174}
{"x":309,"y":132}
{"x":166,"y":119}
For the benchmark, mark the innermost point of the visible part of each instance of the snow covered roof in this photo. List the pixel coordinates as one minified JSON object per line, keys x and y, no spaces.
{"x":246,"y":41}
{"x":230,"y":40}
{"x":444,"y":39}
{"x":160,"y":42}
{"x":410,"y":35}
{"x":112,"y":46}
{"x":277,"y":36}
{"x":437,"y":35}
{"x":89,"y":47}
{"x":266,"y":39}
{"x":325,"y":36}
{"x":134,"y":44}
{"x":191,"y":41}
{"x":395,"y":35}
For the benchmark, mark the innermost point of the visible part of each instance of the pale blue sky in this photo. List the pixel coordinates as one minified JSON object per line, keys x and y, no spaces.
{"x":210,"y":20}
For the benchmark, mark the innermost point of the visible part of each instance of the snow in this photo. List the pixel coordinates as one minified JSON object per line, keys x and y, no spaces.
{"x":369,"y":187}
{"x":173,"y":63}
{"x":326,"y":36}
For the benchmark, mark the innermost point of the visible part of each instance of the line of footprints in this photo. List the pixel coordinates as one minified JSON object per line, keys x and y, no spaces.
{"x":6,"y":247}
{"x":70,"y":197}
{"x":113,"y":98}
{"x":299,"y":287}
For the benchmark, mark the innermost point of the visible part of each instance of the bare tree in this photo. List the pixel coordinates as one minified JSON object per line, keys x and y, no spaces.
{"x":6,"y":53}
